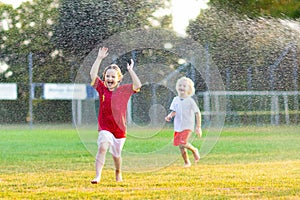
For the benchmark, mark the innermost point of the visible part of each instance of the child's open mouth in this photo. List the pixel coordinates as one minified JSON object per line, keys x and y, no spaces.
{"x":110,"y":83}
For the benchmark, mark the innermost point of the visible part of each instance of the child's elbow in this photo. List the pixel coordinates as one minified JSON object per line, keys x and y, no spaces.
{"x":93,"y":76}
{"x":137,"y":87}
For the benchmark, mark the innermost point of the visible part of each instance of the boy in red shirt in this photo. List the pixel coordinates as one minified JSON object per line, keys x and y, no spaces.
{"x":112,"y":111}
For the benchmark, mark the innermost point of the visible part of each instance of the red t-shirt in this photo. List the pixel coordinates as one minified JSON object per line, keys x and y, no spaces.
{"x":113,"y":107}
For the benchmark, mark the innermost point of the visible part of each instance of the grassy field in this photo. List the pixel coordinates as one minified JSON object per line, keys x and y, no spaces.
{"x":246,"y":163}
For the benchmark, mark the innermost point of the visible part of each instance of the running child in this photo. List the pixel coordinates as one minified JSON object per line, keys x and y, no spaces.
{"x":184,"y":110}
{"x":113,"y":99}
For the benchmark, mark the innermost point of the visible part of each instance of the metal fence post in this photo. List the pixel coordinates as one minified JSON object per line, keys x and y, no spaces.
{"x":31,"y":95}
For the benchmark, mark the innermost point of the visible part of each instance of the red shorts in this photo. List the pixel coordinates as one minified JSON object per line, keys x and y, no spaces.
{"x":181,"y":137}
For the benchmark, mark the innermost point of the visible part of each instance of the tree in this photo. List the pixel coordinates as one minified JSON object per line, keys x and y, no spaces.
{"x":85,"y":23}
{"x":236,"y":43}
{"x":29,"y":29}
{"x":255,"y":8}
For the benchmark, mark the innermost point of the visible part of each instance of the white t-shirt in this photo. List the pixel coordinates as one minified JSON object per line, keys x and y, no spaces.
{"x":185,"y":109}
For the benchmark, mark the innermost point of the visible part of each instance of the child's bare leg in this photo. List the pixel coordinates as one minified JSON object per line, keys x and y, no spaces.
{"x":100,"y":160}
{"x":194,"y":150}
{"x":118,"y":164}
{"x":185,"y":156}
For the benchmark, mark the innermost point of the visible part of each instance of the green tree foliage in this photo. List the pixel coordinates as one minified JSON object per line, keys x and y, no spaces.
{"x":85,"y":23}
{"x":237,"y":43}
{"x":255,"y":8}
{"x":28,"y":28}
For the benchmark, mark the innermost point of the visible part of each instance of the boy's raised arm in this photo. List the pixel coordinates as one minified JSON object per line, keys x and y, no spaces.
{"x":103,"y":52}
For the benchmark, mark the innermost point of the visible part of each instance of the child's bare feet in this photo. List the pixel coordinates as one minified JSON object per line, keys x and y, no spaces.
{"x":95,"y":181}
{"x":196,"y":155}
{"x":188,"y":164}
{"x":118,"y":176}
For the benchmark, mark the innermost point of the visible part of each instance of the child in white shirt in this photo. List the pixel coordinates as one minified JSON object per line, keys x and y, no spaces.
{"x":184,"y":109}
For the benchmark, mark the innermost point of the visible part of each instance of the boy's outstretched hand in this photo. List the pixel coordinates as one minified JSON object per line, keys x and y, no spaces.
{"x":168,"y":118}
{"x":130,"y":67}
{"x":103,"y":52}
{"x":199,"y":132}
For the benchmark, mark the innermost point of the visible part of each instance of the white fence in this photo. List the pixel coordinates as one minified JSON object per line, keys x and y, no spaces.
{"x":274,"y":104}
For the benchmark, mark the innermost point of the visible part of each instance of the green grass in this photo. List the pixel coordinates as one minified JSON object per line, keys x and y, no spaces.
{"x":246,"y":163}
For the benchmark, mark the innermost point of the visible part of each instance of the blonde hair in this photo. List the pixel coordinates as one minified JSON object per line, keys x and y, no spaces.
{"x":190,"y":83}
{"x":115,"y":67}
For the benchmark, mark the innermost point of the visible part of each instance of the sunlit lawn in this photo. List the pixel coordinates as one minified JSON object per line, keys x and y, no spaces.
{"x":246,"y":163}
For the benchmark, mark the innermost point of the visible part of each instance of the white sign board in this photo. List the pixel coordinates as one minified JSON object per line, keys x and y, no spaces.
{"x":64,"y":91}
{"x":8,"y":91}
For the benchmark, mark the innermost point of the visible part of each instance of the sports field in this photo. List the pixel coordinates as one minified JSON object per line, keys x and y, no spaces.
{"x":246,"y":163}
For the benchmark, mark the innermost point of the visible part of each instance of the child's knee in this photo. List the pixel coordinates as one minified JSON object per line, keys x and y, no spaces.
{"x":102,"y":149}
{"x":182,"y":147}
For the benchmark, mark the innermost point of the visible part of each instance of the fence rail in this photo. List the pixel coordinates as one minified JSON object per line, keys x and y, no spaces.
{"x":270,"y":101}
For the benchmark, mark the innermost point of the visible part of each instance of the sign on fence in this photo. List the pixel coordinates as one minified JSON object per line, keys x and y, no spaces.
{"x":65,"y":91}
{"x":8,"y":91}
